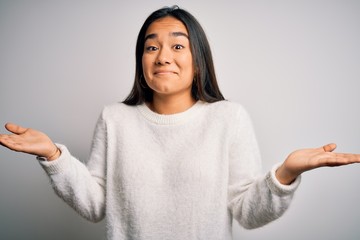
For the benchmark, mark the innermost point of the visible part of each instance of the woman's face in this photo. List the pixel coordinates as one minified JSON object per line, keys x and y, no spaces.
{"x":167,"y":60}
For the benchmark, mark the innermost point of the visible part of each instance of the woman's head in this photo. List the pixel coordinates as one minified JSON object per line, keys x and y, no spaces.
{"x":204,"y":85}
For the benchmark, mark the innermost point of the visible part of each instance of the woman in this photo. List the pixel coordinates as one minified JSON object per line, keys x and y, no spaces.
{"x":174,"y":160}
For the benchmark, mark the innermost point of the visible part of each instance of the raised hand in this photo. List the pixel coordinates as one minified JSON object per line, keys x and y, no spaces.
{"x":30,"y":141}
{"x":307,"y":159}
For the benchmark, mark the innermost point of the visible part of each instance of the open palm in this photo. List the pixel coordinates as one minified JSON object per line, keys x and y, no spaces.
{"x":27,"y":140}
{"x":307,"y":159}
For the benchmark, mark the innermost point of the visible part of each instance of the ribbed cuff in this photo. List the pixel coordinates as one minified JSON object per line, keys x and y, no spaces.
{"x":58,"y":165}
{"x":278,"y":188}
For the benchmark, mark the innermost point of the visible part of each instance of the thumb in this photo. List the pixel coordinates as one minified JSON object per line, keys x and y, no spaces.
{"x":16,"y":129}
{"x":329,"y":147}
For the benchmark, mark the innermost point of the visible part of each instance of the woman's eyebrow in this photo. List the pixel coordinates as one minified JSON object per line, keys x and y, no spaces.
{"x":173,"y":34}
{"x":177,"y":34}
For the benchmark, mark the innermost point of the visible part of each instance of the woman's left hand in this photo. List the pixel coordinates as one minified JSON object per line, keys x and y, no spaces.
{"x":307,"y":159}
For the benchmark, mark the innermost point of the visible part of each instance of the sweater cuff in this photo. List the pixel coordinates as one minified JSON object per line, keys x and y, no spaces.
{"x":278,"y":188}
{"x":58,"y":165}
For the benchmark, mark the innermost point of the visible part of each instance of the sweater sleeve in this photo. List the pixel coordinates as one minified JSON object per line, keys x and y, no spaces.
{"x":253,"y":199}
{"x":82,"y":186}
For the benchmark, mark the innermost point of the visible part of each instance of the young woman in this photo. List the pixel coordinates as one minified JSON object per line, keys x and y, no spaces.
{"x":174,"y":160}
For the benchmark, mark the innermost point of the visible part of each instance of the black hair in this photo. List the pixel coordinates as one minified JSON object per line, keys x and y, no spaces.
{"x":205,"y":86}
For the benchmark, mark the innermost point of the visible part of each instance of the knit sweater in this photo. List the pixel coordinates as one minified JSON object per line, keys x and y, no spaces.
{"x":179,"y":176}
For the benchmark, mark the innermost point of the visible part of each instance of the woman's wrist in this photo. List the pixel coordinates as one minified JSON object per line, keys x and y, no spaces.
{"x":55,"y":154}
{"x":284,"y":176}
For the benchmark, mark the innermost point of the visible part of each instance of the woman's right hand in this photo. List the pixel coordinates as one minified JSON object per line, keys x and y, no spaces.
{"x":29,"y":141}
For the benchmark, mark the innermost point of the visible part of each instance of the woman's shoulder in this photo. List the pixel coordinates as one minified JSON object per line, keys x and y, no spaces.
{"x":229,"y":112}
{"x":227,"y":107}
{"x":117,"y":109}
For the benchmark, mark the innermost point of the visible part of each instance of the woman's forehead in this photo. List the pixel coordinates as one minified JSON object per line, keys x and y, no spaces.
{"x":166,"y":24}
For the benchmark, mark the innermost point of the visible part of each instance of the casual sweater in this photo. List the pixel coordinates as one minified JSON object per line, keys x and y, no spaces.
{"x":179,"y":176}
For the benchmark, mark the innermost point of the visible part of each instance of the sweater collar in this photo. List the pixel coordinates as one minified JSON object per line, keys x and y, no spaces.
{"x":170,"y":119}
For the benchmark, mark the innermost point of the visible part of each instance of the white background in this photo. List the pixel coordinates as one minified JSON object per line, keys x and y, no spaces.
{"x":294,"y":65}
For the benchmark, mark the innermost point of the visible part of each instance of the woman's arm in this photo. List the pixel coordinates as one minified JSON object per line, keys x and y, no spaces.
{"x":80,"y":186}
{"x":257,"y":200}
{"x":254,"y":199}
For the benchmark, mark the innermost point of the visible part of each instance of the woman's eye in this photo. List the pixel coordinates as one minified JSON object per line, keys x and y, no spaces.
{"x":151,"y":48}
{"x":178,"y":46}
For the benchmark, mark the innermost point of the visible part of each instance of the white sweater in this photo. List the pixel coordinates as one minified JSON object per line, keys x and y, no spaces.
{"x":180,"y":176}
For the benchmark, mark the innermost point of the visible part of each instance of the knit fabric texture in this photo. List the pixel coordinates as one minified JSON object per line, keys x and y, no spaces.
{"x":179,"y":176}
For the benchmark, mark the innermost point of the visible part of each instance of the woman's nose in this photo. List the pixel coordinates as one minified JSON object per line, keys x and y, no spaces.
{"x":164,"y":57}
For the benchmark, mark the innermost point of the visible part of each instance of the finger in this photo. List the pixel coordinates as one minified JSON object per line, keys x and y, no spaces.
{"x":11,"y":143}
{"x":338,"y":159}
{"x":16,"y":129}
{"x":329,"y":147}
{"x":350,"y":157}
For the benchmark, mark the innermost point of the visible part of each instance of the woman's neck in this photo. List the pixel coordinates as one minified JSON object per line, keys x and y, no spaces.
{"x":170,"y":104}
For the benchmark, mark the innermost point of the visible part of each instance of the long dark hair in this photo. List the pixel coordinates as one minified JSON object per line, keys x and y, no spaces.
{"x":205,"y":86}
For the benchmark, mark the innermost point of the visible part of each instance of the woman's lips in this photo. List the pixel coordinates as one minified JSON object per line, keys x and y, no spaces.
{"x":164,"y":72}
{"x":161,"y":73}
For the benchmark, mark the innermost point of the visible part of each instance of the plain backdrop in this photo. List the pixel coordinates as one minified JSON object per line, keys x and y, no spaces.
{"x":294,"y":65}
